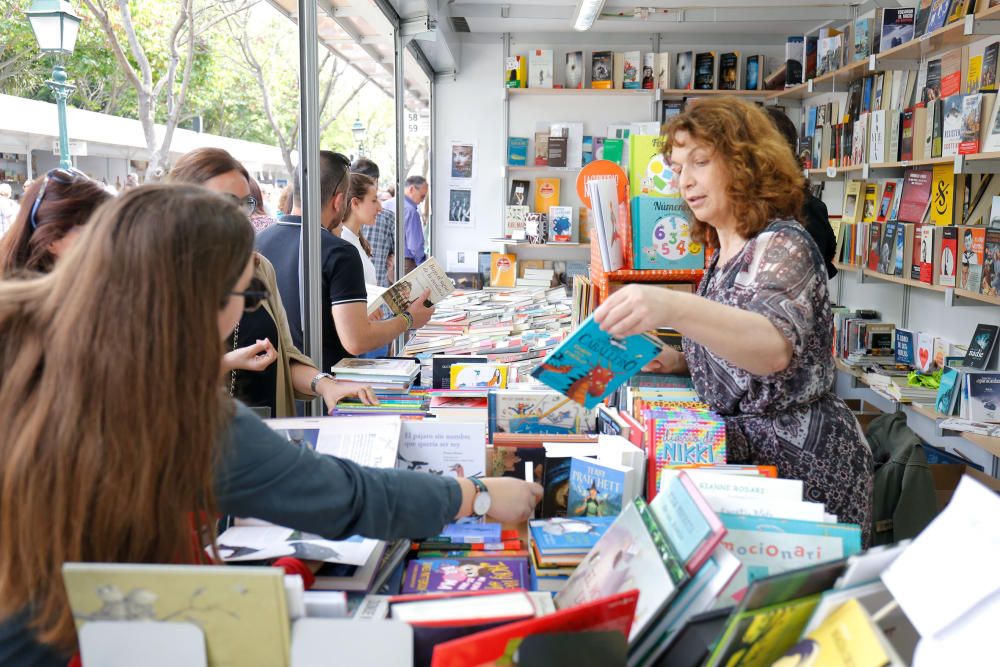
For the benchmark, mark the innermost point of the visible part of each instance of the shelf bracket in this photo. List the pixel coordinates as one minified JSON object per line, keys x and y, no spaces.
{"x":982,"y":26}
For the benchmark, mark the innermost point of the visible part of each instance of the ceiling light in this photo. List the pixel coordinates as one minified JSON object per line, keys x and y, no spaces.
{"x":586,"y":13}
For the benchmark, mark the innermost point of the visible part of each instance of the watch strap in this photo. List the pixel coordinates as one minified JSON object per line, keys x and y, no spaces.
{"x":315,"y":381}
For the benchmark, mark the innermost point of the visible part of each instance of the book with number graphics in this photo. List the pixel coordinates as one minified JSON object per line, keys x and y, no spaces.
{"x":589,"y":365}
{"x":661,"y":235}
{"x":428,"y":276}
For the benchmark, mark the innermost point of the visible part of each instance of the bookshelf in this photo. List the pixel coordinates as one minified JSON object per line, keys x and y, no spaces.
{"x":580,"y":92}
{"x":952,"y":36}
{"x":899,"y":280}
{"x":674,"y":93}
{"x":976,"y":296}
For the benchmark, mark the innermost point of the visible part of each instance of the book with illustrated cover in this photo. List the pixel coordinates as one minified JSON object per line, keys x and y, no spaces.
{"x":589,"y":365}
{"x":515,"y":221}
{"x":601,"y":69}
{"x":503,"y":269}
{"x":678,"y":435}
{"x":729,"y":71}
{"x":546,"y":194}
{"x":648,"y":171}
{"x":518,"y":193}
{"x":938,"y":15}
{"x":632,"y":72}
{"x":981,"y":346}
{"x":242,"y":611}
{"x":705,"y":73}
{"x":664,"y":70}
{"x":395,"y":368}
{"x":438,"y":575}
{"x":793,"y":60}
{"x":689,"y":523}
{"x":568,"y":535}
{"x":972,"y":109}
{"x":427,"y":276}
{"x":983,"y":392}
{"x":898,"y":24}
{"x":517,"y":151}
{"x":478,"y":376}
{"x":991,"y":264}
{"x":661,"y":235}
{"x":574,"y":70}
{"x":605,"y":211}
{"x":862,"y":38}
{"x":685,"y":70}
{"x":916,"y":195}
{"x":649,"y":71}
{"x":541,"y":149}
{"x":596,"y":488}
{"x":973,"y":242}
{"x":516,"y":72}
{"x":561,"y":226}
{"x":536,"y":411}
{"x":951,"y":127}
{"x":754,"y":79}
{"x":540,"y":68}
{"x":634,"y":553}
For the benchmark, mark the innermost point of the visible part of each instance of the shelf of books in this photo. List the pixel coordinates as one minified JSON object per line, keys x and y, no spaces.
{"x":992,"y":299}
{"x":899,"y":280}
{"x":623,"y":92}
{"x":695,"y":92}
{"x":963,"y":31}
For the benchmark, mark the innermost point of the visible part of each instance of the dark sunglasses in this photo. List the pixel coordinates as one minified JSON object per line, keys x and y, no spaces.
{"x":248,"y":204}
{"x":254,"y":295}
{"x":64,"y":176}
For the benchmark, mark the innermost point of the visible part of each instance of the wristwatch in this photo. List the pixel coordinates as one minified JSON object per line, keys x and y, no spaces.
{"x":481,"y":503}
{"x":315,"y":381}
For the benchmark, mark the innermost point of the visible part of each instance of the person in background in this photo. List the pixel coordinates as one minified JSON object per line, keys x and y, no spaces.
{"x":362,"y":207}
{"x":8,"y":208}
{"x":381,"y":237}
{"x":285,"y":201}
{"x":814,"y":216}
{"x":758,"y":335}
{"x":365,"y":166}
{"x":259,"y":218}
{"x":53,"y":211}
{"x":84,"y":477}
{"x":264,"y":368}
{"x":347,"y":328}
{"x":413,"y":229}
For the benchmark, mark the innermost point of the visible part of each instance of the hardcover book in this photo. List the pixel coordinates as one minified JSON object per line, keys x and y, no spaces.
{"x":981,"y":346}
{"x":516,"y":72}
{"x":438,"y":575}
{"x":704,"y":71}
{"x":661,"y":235}
{"x":517,"y":151}
{"x":536,"y":411}
{"x":596,"y":488}
{"x":589,"y":365}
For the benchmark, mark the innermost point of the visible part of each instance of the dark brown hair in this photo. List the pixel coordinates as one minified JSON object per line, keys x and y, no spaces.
{"x":94,"y":471}
{"x":765,"y":181}
{"x":257,"y":195}
{"x":203,"y":164}
{"x":359,"y":188}
{"x":64,"y":206}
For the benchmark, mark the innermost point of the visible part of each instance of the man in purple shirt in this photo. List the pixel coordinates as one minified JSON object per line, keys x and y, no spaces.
{"x":414,"y":195}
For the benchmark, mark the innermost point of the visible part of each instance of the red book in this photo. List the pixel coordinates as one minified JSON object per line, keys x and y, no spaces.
{"x":635,"y":428}
{"x":916,"y":194}
{"x":915,"y":259}
{"x":885,"y":206}
{"x":874,"y":239}
{"x":613,"y":613}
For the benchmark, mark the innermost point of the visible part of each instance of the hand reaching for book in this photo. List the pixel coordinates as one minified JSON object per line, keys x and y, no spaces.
{"x":512,"y":500}
{"x":635,"y":309}
{"x":421,"y":313}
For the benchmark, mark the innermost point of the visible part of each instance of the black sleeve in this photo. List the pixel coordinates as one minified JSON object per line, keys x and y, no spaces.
{"x":817,"y":223}
{"x":347,"y":274}
{"x":263,"y":476}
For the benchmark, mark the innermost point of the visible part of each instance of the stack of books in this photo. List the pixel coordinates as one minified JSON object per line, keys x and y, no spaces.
{"x":383,"y":375}
{"x":559,"y":545}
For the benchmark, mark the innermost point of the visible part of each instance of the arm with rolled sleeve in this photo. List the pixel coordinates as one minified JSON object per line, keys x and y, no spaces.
{"x":413,"y":231}
{"x":263,"y":476}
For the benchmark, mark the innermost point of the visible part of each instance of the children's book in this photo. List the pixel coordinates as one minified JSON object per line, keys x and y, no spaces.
{"x":428,"y":276}
{"x":661,"y":235}
{"x":689,"y":523}
{"x":536,"y":411}
{"x":649,"y":172}
{"x":452,"y":449}
{"x":848,"y":636}
{"x":568,"y":535}
{"x":242,"y":611}
{"x":680,"y":435}
{"x":438,"y":575}
{"x":516,"y":72}
{"x":589,"y":365}
{"x":605,"y":210}
{"x":561,"y":226}
{"x":598,"y":488}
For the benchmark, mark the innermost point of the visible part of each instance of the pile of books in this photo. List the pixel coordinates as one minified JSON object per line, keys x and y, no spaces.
{"x":559,"y":545}
{"x":383,"y":375}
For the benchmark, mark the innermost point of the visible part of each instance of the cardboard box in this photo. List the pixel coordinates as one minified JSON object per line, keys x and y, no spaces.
{"x":947,"y":476}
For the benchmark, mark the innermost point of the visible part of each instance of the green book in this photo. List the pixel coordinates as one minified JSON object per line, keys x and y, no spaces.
{"x":613,"y":149}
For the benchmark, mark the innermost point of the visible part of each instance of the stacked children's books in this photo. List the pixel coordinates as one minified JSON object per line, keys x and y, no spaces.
{"x":384,"y":375}
{"x":559,"y":545}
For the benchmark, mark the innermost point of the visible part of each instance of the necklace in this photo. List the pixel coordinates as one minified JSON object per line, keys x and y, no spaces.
{"x":232,"y":381}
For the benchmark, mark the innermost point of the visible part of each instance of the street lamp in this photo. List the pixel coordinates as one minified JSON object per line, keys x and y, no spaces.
{"x":359,"y":130}
{"x":56,"y":26}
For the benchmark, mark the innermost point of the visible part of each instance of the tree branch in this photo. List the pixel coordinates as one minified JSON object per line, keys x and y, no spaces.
{"x":102,"y":18}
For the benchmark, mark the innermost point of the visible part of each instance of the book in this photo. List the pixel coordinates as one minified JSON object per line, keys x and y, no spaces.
{"x":242,"y":611}
{"x":983,"y":391}
{"x":981,"y":346}
{"x":705,"y":72}
{"x":903,"y":350}
{"x":729,"y":71}
{"x":862,"y":38}
{"x":661,"y":235}
{"x":536,"y":232}
{"x":948,"y":263}
{"x":574,"y":76}
{"x":478,"y":376}
{"x":898,"y":24}
{"x":601,"y":66}
{"x":561,"y":226}
{"x":793,"y":60}
{"x":518,"y":193}
{"x":848,"y":636}
{"x":765,"y":633}
{"x":541,"y":149}
{"x":546,"y":193}
{"x":809,"y":45}
{"x":991,"y":263}
{"x":916,"y":195}
{"x":465,"y":574}
{"x":427,"y":276}
{"x":685,"y":70}
{"x":605,"y":211}
{"x":517,"y":151}
{"x":948,"y":391}
{"x":938,"y":15}
{"x":970,"y":127}
{"x":516,"y":72}
{"x":617,"y":70}
{"x":599,"y":488}
{"x":754,"y":79}
{"x":649,"y":172}
{"x":557,"y":147}
{"x":687,"y":520}
{"x":536,"y":411}
{"x":515,"y":217}
{"x":589,"y":365}
{"x":503,"y":269}
{"x":951,"y":135}
{"x":614,"y":149}
{"x":540,"y":68}
{"x":973,"y":241}
{"x":632,"y":70}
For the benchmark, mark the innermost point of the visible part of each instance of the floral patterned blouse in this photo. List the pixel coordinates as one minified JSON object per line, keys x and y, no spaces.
{"x":790,"y":419}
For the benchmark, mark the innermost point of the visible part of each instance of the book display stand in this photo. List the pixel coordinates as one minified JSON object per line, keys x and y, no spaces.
{"x":150,"y":643}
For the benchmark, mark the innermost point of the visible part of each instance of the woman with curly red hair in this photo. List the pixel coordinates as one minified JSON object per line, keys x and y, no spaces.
{"x":758,"y":333}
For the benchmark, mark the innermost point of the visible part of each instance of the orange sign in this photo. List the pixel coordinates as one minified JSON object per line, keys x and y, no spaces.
{"x":601,"y":168}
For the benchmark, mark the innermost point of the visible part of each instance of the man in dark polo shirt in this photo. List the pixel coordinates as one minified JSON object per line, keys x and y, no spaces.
{"x":347,"y":330}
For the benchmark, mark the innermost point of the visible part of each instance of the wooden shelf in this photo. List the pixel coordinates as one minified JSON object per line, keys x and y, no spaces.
{"x":835,"y":81}
{"x":977,"y":157}
{"x":850,"y":370}
{"x":912,"y":163}
{"x":531,"y":167}
{"x":629,"y":92}
{"x":976,"y":296}
{"x":985,"y":443}
{"x":899,"y":280}
{"x":849,"y":268}
{"x":691,"y":92}
{"x":654,"y":275}
{"x":927,"y":410}
{"x":951,"y":36}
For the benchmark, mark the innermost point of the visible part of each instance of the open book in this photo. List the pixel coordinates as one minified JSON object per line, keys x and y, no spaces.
{"x":429,"y":275}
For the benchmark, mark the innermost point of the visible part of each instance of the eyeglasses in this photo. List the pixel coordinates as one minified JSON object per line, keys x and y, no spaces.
{"x":247,"y":204}
{"x":64,"y":176}
{"x":254,"y":295}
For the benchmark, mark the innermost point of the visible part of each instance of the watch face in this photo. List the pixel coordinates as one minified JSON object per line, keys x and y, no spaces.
{"x":481,"y":505}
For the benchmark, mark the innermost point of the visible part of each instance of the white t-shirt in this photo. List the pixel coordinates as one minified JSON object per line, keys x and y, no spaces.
{"x":8,"y":212}
{"x":366,"y":261}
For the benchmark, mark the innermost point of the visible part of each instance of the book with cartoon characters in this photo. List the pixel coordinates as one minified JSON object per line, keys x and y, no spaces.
{"x":661,"y":234}
{"x":589,"y":365}
{"x":536,"y":411}
{"x":568,"y":535}
{"x":598,"y":488}
{"x":437,"y":575}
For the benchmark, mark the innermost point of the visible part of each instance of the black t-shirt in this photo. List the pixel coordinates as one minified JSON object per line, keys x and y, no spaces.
{"x":817,"y":223}
{"x":343,"y":279}
{"x":256,"y":389}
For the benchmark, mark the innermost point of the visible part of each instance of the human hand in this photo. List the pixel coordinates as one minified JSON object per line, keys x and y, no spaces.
{"x":512,"y":499}
{"x":667,"y":361}
{"x":421,"y":314}
{"x":253,"y":358}
{"x":635,"y":309}
{"x":333,"y":392}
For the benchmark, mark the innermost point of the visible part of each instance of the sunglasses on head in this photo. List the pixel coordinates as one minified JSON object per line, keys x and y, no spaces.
{"x":343,"y":160}
{"x":254,"y":295}
{"x":64,"y":176}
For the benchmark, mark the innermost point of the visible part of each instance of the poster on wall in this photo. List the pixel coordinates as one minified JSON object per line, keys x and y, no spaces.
{"x":463,"y":161}
{"x":460,"y":206}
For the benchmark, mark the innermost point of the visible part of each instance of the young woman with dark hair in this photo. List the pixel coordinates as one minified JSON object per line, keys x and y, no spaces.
{"x":92,"y":471}
{"x":53,"y":211}
{"x":758,"y":334}
{"x":265,"y":368}
{"x":362,"y":207}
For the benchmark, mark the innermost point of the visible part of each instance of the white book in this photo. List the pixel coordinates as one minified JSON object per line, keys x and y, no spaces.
{"x":876,"y":136}
{"x":540,"y":68}
{"x":951,"y":134}
{"x":603,"y":193}
{"x":663,"y":71}
{"x":802,"y":511}
{"x":742,"y":486}
{"x":893,"y":119}
{"x":450,"y":449}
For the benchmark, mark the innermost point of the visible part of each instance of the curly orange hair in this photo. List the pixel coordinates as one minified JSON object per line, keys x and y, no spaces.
{"x":765,"y":182}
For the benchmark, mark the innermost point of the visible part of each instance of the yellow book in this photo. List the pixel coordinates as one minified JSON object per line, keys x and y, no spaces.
{"x":972,"y":77}
{"x":942,"y":194}
{"x":503,"y":269}
{"x":546,"y":194}
{"x":846,"y":637}
{"x":870,"y":210}
{"x":517,"y":72}
{"x":852,"y":195}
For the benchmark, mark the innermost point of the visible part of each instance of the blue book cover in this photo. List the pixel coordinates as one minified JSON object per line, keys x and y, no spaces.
{"x":595,"y":488}
{"x":517,"y":151}
{"x":661,"y":235}
{"x":561,"y":535}
{"x":589,"y":365}
{"x":588,"y":149}
{"x":947,"y":394}
{"x":904,"y":350}
{"x":472,"y":531}
{"x":811,"y":122}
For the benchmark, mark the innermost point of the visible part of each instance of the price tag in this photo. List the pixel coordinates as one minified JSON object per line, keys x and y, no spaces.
{"x":831,"y":172}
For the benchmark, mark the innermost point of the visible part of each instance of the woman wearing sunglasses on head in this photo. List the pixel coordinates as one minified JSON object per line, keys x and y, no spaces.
{"x":265,"y":368}
{"x":53,"y":211}
{"x":93,"y":471}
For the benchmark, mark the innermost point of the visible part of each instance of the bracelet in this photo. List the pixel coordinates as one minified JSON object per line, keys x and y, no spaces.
{"x":315,"y":381}
{"x":409,"y":319}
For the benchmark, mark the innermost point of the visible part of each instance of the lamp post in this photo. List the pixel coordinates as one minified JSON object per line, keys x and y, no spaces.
{"x":56,"y":26}
{"x":359,"y":130}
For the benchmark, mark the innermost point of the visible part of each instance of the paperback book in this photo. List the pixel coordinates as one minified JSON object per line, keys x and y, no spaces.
{"x":596,"y":488}
{"x":568,"y":535}
{"x":438,"y":575}
{"x":427,"y":276}
{"x":981,"y":346}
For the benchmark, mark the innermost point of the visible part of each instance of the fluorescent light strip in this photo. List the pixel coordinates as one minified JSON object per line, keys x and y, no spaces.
{"x":586,"y":13}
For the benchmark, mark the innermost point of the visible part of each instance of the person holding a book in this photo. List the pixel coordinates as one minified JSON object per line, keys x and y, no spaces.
{"x":347,"y":329}
{"x":758,"y":334}
{"x":265,"y":368}
{"x":98,"y":468}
